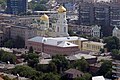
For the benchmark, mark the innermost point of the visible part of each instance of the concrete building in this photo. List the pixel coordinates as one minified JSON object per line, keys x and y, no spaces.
{"x":17,"y":6}
{"x":92,"y":46}
{"x":114,"y":14}
{"x":116,"y":32}
{"x":99,"y":13}
{"x":24,"y":32}
{"x":86,"y":14}
{"x":116,"y":1}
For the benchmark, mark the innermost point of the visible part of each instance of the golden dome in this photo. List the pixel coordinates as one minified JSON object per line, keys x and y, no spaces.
{"x":61,"y":9}
{"x":44,"y":17}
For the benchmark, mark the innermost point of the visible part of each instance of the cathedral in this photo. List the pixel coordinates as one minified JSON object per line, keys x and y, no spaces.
{"x":58,"y":28}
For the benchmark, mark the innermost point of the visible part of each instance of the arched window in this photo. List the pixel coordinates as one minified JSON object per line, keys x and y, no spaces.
{"x":64,"y":29}
{"x":57,"y":29}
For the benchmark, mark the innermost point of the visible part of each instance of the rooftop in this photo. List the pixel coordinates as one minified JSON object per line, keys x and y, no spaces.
{"x":39,"y":38}
{"x":61,"y":9}
{"x":97,"y":43}
{"x":44,"y":17}
{"x":1,"y":32}
{"x":98,"y":78}
{"x":45,"y":61}
{"x":59,"y":41}
{"x":79,"y":56}
{"x":73,"y":71}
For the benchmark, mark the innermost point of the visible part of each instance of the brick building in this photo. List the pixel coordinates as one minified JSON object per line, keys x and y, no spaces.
{"x":52,"y":46}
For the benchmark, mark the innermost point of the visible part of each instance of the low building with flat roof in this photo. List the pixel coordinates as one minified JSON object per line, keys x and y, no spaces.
{"x":92,"y":46}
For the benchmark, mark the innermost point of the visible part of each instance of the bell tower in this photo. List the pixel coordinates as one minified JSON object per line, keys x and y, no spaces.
{"x":61,"y":25}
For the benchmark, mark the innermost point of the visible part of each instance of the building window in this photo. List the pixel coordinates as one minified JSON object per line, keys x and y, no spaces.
{"x":63,"y":16}
{"x":64,"y":29}
{"x":57,"y":29}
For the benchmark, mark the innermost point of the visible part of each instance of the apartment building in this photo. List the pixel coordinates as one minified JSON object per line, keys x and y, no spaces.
{"x":22,"y":31}
{"x":17,"y":6}
{"x":86,"y":14}
{"x":99,"y":13}
{"x":115,"y":14}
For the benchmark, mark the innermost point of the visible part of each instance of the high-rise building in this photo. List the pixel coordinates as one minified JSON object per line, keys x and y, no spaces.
{"x":94,"y":13}
{"x":115,"y":1}
{"x":101,"y":14}
{"x":86,"y":13}
{"x":115,"y":14}
{"x":17,"y":6}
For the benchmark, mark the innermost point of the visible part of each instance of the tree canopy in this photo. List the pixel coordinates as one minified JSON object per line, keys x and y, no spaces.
{"x":116,"y":54}
{"x":106,"y":69}
{"x":81,"y":64}
{"x":32,"y":59}
{"x":6,"y":56}
{"x":18,"y":42}
{"x":26,"y":71}
{"x":38,"y":6}
{"x":112,"y":42}
{"x":61,"y":62}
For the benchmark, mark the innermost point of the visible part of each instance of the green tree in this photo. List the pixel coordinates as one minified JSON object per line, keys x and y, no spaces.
{"x":52,"y":67}
{"x":102,"y":50}
{"x":32,"y":59}
{"x":40,"y":7}
{"x":6,"y":56}
{"x":61,"y":62}
{"x":81,"y":64}
{"x":9,"y":43}
{"x":86,"y":76}
{"x":26,"y":71}
{"x":106,"y":69}
{"x":31,"y":50}
{"x":71,"y":33}
{"x":51,"y":76}
{"x":42,"y":68}
{"x":112,"y":42}
{"x":115,"y":54}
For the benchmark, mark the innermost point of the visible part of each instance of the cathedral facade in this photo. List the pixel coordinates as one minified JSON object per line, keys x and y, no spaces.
{"x":58,"y":28}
